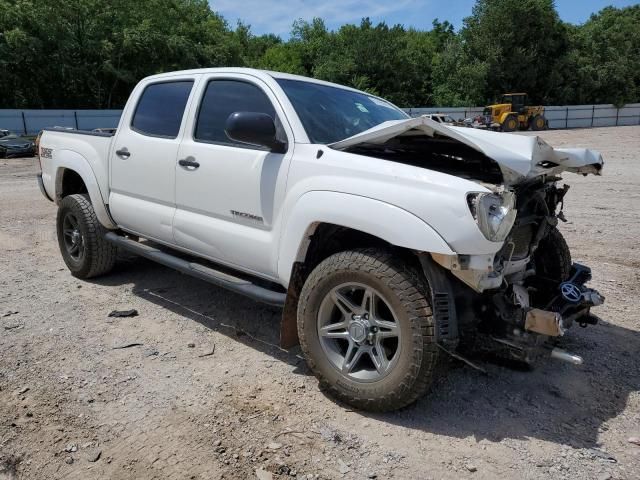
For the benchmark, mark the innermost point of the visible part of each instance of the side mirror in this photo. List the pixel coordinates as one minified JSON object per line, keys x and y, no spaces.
{"x":255,"y":129}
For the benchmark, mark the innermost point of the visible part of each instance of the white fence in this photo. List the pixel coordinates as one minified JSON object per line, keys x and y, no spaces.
{"x":567,"y":116}
{"x":30,"y":122}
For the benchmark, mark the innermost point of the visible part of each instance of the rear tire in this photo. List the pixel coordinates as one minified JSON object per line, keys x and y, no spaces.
{"x":538,"y":123}
{"x":366,"y":329}
{"x":84,"y":249}
{"x":510,"y":124}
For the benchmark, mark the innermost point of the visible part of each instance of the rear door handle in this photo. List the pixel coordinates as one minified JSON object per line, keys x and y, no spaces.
{"x":123,"y":153}
{"x":188,"y":163}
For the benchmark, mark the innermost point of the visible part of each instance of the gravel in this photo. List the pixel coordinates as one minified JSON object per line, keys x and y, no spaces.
{"x":166,"y":411}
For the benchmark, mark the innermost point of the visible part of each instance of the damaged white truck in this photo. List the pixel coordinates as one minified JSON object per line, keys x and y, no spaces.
{"x":388,"y":241}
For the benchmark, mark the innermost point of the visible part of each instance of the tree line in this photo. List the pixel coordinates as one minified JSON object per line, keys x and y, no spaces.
{"x":90,"y":53}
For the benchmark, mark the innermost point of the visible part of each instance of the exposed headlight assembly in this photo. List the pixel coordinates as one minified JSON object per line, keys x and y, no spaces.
{"x":494,"y":213}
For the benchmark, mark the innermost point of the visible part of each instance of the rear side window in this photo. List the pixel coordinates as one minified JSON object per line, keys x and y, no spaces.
{"x":221,"y":99}
{"x":160,"y":109}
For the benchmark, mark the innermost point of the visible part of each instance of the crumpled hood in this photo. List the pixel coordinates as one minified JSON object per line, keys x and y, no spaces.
{"x":519,"y":156}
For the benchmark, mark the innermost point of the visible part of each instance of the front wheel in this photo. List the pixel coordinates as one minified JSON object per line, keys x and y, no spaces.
{"x":367,"y":331}
{"x":510,"y":124}
{"x":81,"y":238}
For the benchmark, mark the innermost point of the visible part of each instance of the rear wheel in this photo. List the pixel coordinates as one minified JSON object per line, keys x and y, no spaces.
{"x":538,"y":123}
{"x":81,"y":238}
{"x":366,"y":329}
{"x":510,"y":124}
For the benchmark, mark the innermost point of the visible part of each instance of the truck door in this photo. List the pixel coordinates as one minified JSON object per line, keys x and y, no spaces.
{"x":143,"y":158}
{"x":228,"y":193}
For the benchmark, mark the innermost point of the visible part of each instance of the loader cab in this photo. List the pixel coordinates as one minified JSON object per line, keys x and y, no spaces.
{"x":518,"y":101}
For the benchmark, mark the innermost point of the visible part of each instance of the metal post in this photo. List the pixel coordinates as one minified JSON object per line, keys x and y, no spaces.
{"x":566,"y":118}
{"x":24,"y":122}
{"x":593,"y":112}
{"x":75,"y":115}
{"x":617,"y":114}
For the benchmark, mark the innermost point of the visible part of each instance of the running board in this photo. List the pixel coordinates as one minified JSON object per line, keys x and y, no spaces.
{"x":220,"y":279}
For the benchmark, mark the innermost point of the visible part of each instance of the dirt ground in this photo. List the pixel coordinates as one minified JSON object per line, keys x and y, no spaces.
{"x":202,"y":391}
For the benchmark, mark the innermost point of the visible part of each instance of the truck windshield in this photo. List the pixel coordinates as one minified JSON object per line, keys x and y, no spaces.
{"x":330,"y":114}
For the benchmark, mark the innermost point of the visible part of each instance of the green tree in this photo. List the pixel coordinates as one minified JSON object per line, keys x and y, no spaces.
{"x":606,"y":57}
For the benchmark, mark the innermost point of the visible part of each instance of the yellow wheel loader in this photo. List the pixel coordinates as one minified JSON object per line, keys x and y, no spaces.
{"x":513,"y":113}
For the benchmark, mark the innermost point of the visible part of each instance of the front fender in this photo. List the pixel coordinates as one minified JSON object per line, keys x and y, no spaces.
{"x":387,"y":222}
{"x":66,"y":159}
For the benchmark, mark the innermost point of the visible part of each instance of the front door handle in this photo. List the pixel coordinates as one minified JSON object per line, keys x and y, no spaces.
{"x":123,"y":153}
{"x":185,"y":162}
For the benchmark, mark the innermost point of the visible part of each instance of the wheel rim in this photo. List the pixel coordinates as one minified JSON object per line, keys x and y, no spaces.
{"x":359,"y":332}
{"x":73,"y":239}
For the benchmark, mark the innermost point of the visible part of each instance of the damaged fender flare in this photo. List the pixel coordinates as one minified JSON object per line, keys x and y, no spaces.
{"x":442,"y":301}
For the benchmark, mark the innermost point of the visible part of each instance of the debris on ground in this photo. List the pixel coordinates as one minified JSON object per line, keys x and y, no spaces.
{"x":124,"y":313}
{"x":13,"y":326}
{"x":126,"y":345}
{"x":94,"y":456}
{"x":263,"y":474}
{"x":209,"y":353}
{"x":10,"y":312}
{"x":343,"y":468}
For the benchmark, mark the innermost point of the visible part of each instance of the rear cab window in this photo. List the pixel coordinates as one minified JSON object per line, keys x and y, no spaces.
{"x":160,"y":108}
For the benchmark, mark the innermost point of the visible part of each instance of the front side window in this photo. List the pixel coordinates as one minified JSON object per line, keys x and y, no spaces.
{"x":160,"y":109}
{"x":330,"y":114}
{"x":221,"y":99}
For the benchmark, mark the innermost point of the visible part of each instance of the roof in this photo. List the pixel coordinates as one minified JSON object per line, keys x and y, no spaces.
{"x":250,"y":71}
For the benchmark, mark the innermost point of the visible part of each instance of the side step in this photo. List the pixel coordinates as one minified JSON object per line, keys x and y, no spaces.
{"x":220,"y":279}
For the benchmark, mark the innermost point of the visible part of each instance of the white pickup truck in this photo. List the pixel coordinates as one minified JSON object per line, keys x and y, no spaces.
{"x":387,"y":240}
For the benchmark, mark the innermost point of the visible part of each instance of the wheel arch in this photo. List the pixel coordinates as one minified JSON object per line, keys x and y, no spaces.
{"x":74,"y":175}
{"x":374,"y":220}
{"x":307,"y":240}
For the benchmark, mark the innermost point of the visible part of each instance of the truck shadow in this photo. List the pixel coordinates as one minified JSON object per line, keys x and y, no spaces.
{"x":556,"y":402}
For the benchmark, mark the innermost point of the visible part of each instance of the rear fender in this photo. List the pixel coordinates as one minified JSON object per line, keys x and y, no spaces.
{"x":66,"y":159}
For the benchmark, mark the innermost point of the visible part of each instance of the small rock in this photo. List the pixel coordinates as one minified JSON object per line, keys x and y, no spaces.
{"x":602,"y":454}
{"x":605,"y":476}
{"x":372,"y":475}
{"x":471,"y":468}
{"x":68,"y":460}
{"x":94,"y":456}
{"x":191,"y":345}
{"x":343,"y":468}
{"x":263,"y":474}
{"x":274,"y":446}
{"x":72,"y":447}
{"x":9,"y":313}
{"x":23,"y":390}
{"x":634,"y":440}
{"x":217,"y":443}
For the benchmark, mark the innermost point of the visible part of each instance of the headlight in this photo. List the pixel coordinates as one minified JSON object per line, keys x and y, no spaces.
{"x":493,"y":213}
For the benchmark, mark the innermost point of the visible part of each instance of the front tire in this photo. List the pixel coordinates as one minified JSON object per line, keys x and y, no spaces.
{"x":81,"y":238}
{"x":366,"y":329}
{"x":510,"y":124}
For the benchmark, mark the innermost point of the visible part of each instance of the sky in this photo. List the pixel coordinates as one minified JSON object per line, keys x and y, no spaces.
{"x":276,"y":16}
